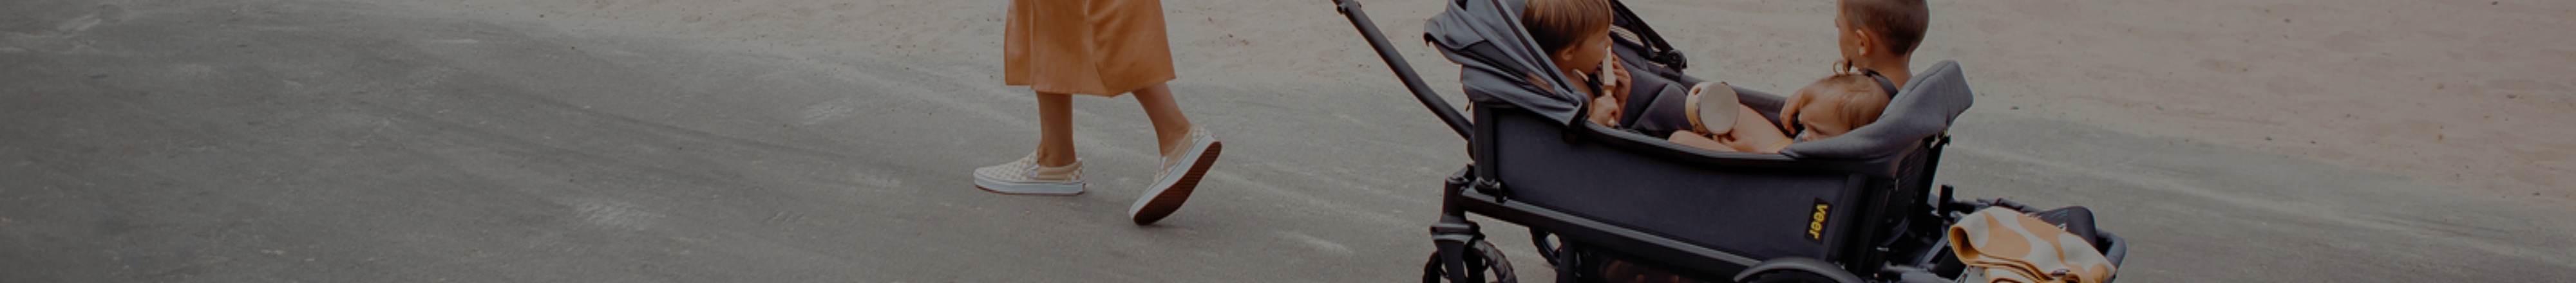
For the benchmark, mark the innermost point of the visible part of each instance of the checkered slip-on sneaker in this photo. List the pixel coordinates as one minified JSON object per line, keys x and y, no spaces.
{"x":1025,"y":177}
{"x":1181,"y":172}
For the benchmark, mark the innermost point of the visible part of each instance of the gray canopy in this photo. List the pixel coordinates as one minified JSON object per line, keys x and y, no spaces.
{"x":1497,"y":56}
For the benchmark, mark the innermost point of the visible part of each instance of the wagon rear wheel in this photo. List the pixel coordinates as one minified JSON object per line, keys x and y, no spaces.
{"x":1481,"y":260}
{"x":1796,"y":269}
{"x":1789,"y":276}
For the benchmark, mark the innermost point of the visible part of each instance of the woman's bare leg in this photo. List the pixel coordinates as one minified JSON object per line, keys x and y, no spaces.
{"x":1169,"y":125}
{"x":1180,"y":172}
{"x":1055,"y":129}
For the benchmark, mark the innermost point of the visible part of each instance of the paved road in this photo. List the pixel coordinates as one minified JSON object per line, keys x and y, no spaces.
{"x":289,"y":141}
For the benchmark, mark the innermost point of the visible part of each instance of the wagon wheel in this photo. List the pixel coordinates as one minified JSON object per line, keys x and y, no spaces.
{"x":1479,"y":258}
{"x":1796,"y":269}
{"x":1788,"y":276}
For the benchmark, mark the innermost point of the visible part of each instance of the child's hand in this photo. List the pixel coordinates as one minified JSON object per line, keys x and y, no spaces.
{"x":1789,"y":111}
{"x":1614,"y":77}
{"x":1750,"y":136}
{"x":1605,"y":111}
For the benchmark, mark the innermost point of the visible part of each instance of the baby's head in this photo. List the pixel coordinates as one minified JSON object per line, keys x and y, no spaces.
{"x":1880,"y":29}
{"x":1836,"y":105}
{"x":1575,"y":33}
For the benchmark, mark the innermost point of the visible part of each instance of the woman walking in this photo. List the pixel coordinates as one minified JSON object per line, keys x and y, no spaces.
{"x":1060,"y":48}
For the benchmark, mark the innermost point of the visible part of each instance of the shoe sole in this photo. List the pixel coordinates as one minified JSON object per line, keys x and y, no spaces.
{"x":1170,"y":199}
{"x":1077,"y":190}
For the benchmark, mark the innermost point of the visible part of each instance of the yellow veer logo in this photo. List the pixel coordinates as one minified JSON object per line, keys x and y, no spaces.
{"x":1816,"y":225}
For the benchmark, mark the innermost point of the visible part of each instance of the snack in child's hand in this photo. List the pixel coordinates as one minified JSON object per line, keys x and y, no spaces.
{"x":1609,"y":78}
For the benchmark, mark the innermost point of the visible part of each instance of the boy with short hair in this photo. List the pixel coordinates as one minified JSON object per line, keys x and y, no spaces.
{"x":1881,"y":35}
{"x":1576,"y":36}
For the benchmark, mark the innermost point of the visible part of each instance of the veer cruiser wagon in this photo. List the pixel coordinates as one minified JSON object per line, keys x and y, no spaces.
{"x":1854,"y":208}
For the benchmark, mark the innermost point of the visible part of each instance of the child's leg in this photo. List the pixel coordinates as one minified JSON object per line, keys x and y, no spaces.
{"x":1687,"y":138}
{"x":1055,"y":129}
{"x":1744,"y":117}
{"x":1170,"y":126}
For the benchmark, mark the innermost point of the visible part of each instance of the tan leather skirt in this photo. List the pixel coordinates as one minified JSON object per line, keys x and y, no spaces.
{"x":1095,"y":47}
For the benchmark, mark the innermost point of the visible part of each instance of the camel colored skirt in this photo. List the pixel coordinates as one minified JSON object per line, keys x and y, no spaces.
{"x":1095,"y":47}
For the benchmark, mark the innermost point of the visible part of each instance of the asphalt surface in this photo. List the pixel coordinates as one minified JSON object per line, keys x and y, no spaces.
{"x":318,"y":141}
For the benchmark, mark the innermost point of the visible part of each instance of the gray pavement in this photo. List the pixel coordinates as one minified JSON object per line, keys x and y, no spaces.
{"x":316,"y":141}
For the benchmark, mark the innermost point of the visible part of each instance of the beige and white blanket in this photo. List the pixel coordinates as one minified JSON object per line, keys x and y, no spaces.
{"x":2003,"y":245}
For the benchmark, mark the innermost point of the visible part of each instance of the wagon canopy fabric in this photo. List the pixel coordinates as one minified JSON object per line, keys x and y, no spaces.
{"x":1497,"y":58}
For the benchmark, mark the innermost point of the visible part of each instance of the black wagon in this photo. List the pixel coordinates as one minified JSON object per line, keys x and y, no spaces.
{"x":1860,"y":207}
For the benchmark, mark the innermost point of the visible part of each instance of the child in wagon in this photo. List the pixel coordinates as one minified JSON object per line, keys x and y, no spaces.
{"x":1877,"y":37}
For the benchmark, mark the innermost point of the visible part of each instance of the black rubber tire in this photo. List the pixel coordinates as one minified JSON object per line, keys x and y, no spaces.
{"x":1788,"y":276}
{"x":1482,"y":259}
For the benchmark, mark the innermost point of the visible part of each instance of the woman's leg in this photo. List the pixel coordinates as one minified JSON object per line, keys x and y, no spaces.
{"x":1052,"y":170}
{"x":1187,"y":152}
{"x":1055,"y":129}
{"x":1169,"y":125}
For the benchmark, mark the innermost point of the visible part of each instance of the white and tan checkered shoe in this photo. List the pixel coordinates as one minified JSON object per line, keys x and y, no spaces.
{"x":1025,"y":177}
{"x":1181,"y":172}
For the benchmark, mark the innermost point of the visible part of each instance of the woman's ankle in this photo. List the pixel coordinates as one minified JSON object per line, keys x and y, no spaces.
{"x":1169,"y":141}
{"x":1049,"y":159}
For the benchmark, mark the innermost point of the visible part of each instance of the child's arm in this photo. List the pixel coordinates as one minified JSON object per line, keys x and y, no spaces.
{"x":1753,"y":133}
{"x":1606,"y":106}
{"x":1605,"y":111}
{"x":1789,"y":109}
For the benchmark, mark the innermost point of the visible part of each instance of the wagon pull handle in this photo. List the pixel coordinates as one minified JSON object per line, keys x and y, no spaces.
{"x":1403,"y":69}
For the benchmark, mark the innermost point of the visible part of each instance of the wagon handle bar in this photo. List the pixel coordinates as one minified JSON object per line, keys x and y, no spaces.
{"x":1403,"y":69}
